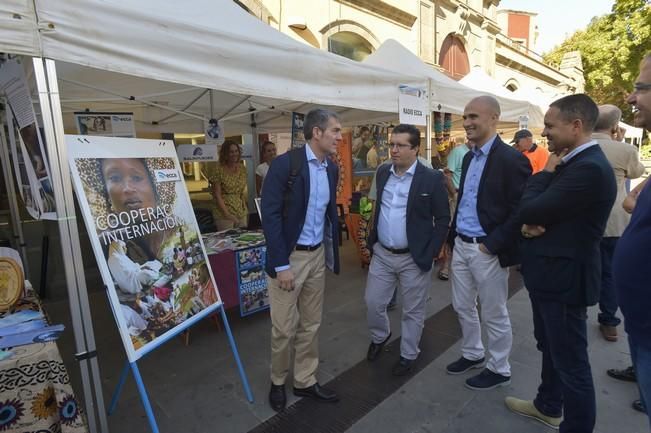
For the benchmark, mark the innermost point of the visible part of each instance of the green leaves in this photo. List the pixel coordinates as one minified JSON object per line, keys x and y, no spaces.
{"x":611,"y":47}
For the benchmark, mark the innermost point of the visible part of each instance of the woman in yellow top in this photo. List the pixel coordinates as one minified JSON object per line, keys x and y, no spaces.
{"x":229,"y":188}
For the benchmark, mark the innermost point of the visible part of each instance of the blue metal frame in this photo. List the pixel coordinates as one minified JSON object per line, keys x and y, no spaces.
{"x":141,"y":386}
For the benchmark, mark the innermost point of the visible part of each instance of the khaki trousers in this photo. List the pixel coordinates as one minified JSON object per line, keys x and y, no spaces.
{"x":296,"y":318}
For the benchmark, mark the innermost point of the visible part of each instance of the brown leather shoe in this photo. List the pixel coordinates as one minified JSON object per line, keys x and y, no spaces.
{"x":609,"y":332}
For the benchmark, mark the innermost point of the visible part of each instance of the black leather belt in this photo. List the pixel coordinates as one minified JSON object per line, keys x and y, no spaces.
{"x":396,"y":250}
{"x":471,"y":240}
{"x":307,"y":247}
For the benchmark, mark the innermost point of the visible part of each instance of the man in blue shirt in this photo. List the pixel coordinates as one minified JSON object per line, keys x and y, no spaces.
{"x":484,"y":235}
{"x":299,"y":220}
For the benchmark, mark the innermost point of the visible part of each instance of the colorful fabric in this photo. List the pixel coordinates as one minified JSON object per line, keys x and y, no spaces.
{"x":35,"y":391}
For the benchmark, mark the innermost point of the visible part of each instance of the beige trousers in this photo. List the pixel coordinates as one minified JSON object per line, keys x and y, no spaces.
{"x":296,"y":318}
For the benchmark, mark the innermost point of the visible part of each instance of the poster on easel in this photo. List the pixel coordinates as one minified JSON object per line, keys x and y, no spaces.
{"x":252,"y":280}
{"x":298,"y":137}
{"x":27,"y":148}
{"x":106,"y":124}
{"x":144,"y":235}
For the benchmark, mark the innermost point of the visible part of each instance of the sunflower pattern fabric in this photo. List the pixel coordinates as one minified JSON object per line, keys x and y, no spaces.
{"x":35,"y":391}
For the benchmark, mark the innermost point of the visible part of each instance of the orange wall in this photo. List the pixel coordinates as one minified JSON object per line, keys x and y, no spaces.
{"x":519,"y":27}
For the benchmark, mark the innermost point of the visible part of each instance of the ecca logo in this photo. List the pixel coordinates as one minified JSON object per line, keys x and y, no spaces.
{"x":166,"y":175}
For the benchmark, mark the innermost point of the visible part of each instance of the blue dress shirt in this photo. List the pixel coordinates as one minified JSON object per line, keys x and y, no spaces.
{"x":467,"y":216}
{"x":317,"y":203}
{"x":578,"y":150}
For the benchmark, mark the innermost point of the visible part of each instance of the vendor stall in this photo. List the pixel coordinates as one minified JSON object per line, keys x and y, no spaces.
{"x":237,"y":258}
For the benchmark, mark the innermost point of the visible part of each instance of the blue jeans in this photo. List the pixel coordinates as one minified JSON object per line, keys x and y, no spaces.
{"x":641,"y":356}
{"x":566,"y":379}
{"x":608,"y":296}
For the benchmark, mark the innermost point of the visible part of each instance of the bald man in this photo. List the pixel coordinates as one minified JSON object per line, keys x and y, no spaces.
{"x":484,"y":236}
{"x":626,"y":164}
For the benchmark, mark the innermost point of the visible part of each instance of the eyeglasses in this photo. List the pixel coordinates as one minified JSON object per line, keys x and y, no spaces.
{"x":399,"y":146}
{"x":638,"y":87}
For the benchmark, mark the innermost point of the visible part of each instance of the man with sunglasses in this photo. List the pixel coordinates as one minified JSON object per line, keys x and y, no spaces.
{"x":412,"y":217}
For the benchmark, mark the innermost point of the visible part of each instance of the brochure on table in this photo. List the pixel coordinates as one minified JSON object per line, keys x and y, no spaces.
{"x":144,"y":235}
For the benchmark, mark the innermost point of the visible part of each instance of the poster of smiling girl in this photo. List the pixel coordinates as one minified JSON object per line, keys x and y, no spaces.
{"x":144,"y":235}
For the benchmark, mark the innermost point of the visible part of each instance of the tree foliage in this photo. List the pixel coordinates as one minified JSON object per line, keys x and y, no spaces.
{"x":611,"y":47}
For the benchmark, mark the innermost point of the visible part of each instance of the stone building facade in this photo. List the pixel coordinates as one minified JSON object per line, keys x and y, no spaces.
{"x":453,"y":35}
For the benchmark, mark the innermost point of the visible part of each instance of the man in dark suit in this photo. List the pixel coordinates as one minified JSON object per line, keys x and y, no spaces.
{"x":412,"y":217}
{"x":299,"y":219}
{"x":565,"y":208}
{"x":484,"y":234}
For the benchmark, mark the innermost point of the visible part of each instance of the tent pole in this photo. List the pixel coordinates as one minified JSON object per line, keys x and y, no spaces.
{"x":428,"y":130}
{"x":188,"y":105}
{"x":48,"y":92}
{"x":16,"y":223}
{"x":133,"y":98}
{"x":212,"y":104}
{"x":230,"y":110}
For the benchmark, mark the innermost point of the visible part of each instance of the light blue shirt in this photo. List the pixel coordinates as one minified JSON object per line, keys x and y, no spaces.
{"x":317,"y":203}
{"x":578,"y":150}
{"x":392,"y":224}
{"x":455,"y":162}
{"x":467,"y":216}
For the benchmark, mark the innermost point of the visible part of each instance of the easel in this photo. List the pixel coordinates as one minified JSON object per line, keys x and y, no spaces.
{"x":132,"y":365}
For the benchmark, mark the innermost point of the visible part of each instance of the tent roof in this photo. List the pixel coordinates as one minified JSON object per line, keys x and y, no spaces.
{"x":212,"y":44}
{"x":449,"y":95}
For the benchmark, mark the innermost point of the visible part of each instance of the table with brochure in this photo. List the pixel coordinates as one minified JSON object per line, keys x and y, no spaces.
{"x":35,"y":390}
{"x":237,"y":258}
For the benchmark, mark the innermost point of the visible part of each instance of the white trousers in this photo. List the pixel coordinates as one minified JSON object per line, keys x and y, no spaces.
{"x":476,"y":274}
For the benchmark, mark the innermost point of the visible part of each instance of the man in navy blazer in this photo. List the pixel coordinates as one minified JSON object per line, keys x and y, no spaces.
{"x":484,"y":234}
{"x":412,"y":216}
{"x":299,"y":220}
{"x":565,"y":208}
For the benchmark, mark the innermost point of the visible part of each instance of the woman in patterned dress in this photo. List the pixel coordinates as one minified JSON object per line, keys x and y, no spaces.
{"x":229,"y":188}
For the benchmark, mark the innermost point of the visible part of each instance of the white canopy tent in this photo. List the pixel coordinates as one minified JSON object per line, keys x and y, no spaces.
{"x":449,"y":95}
{"x":187,"y":49}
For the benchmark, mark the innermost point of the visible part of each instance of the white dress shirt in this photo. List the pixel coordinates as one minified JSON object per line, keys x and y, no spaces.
{"x":392,"y":222}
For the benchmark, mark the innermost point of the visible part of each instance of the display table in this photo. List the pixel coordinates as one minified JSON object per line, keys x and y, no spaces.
{"x":35,"y":391}
{"x":237,"y":258}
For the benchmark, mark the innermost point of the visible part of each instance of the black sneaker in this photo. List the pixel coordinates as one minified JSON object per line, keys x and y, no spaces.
{"x":638,"y":406}
{"x":627,"y":374}
{"x":462,"y":365}
{"x":487,"y":380}
{"x":403,"y":366}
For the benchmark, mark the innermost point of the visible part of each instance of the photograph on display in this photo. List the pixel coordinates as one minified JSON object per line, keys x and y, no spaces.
{"x":252,"y":280}
{"x":369,"y":148}
{"x":105,"y":124}
{"x":214,"y":133}
{"x":144,"y":234}
{"x":28,"y":148}
{"x":298,"y":137}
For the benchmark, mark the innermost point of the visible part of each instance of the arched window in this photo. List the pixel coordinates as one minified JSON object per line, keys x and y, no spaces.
{"x":512,"y":85}
{"x":453,"y":58}
{"x":350,"y":45}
